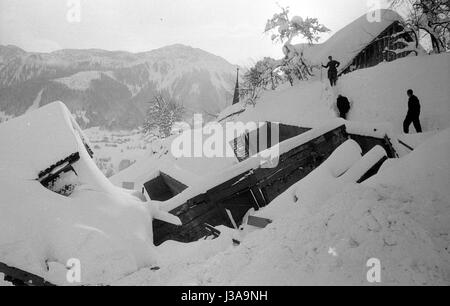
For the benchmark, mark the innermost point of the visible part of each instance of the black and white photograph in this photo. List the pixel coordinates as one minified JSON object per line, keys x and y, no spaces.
{"x":212,"y":144}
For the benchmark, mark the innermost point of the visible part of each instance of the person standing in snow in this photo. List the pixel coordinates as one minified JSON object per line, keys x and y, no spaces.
{"x":343,"y":106}
{"x":332,"y":70}
{"x":413,"y":115}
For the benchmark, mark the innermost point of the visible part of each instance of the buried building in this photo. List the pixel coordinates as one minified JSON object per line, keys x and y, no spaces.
{"x":376,"y":37}
{"x":56,"y":205}
{"x":252,"y":180}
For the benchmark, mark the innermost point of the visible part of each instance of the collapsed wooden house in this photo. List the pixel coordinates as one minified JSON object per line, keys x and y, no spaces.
{"x":255,"y":187}
{"x":51,"y":188}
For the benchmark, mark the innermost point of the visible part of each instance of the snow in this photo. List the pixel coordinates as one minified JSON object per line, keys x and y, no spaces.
{"x":81,"y":80}
{"x":36,"y":102}
{"x":345,"y":44}
{"x":375,"y":98}
{"x":114,"y":151}
{"x":39,"y":132}
{"x":203,"y":173}
{"x":231,"y":111}
{"x":2,"y":282}
{"x":325,"y":228}
{"x":328,"y":240}
{"x":4,"y":117}
{"x":379,"y":106}
{"x":108,"y":229}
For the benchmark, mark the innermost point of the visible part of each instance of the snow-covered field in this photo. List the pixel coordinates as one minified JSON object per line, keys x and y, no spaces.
{"x":115,"y":151}
{"x":325,"y":228}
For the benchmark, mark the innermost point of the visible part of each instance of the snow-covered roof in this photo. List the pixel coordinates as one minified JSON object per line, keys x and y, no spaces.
{"x":209,"y":181}
{"x":101,"y":225}
{"x":29,"y":142}
{"x":346,"y":43}
{"x":231,"y":111}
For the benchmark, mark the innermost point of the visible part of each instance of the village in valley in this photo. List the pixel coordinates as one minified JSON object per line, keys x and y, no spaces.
{"x":326,"y":166}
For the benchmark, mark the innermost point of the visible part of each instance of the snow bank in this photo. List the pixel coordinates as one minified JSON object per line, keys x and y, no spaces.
{"x":228,"y":172}
{"x":400,"y":217}
{"x":107,"y":229}
{"x":379,"y":105}
{"x":2,"y":282}
{"x":379,"y":93}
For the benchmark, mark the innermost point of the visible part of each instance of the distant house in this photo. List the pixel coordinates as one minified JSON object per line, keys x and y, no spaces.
{"x":364,"y":43}
{"x":393,"y":43}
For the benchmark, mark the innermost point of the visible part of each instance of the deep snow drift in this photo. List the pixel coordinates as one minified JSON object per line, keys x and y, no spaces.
{"x":375,"y":98}
{"x":377,"y":94}
{"x":325,"y":228}
{"x":108,"y":229}
{"x":401,"y":217}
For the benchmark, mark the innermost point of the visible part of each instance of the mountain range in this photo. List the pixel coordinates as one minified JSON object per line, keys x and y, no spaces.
{"x":113,"y":89}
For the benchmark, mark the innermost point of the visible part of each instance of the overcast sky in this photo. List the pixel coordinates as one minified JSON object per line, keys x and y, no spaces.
{"x":232,"y":29}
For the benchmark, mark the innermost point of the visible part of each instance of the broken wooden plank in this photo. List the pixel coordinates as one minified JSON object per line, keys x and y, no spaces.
{"x":372,"y":171}
{"x":405,"y":145}
{"x":215,"y":232}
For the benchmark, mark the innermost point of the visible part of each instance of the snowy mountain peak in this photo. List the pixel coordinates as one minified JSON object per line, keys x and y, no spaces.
{"x":114,"y":88}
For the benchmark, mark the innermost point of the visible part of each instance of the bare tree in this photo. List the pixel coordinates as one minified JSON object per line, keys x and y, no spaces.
{"x":261,"y":76}
{"x":429,"y":16}
{"x":161,"y":116}
{"x":285,"y":30}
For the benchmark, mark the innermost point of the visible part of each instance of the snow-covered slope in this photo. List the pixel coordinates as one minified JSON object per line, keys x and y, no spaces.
{"x":377,"y":94}
{"x":326,"y":228}
{"x":113,"y":89}
{"x":375,"y":99}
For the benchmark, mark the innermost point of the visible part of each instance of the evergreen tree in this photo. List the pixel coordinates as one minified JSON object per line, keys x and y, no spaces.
{"x":161,"y":116}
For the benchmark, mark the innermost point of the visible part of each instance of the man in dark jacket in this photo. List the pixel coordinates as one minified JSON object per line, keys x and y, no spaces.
{"x":343,"y":106}
{"x":332,"y":70}
{"x":413,"y":113}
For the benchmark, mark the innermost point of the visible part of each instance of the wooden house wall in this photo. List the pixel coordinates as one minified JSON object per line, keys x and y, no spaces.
{"x":374,"y":53}
{"x":256,"y":188}
{"x":253,"y":189}
{"x":244,"y":149}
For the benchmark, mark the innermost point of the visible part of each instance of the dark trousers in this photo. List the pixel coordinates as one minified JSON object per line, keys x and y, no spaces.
{"x":332,"y":76}
{"x":333,"y":82}
{"x":343,"y":115}
{"x":415,"y":120}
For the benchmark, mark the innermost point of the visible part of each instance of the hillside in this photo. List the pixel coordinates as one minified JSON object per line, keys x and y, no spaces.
{"x":113,"y":89}
{"x":377,"y":94}
{"x":326,"y":228}
{"x":374,"y":99}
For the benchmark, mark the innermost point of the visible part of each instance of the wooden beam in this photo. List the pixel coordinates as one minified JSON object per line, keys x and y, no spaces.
{"x":20,"y":277}
{"x":405,"y":145}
